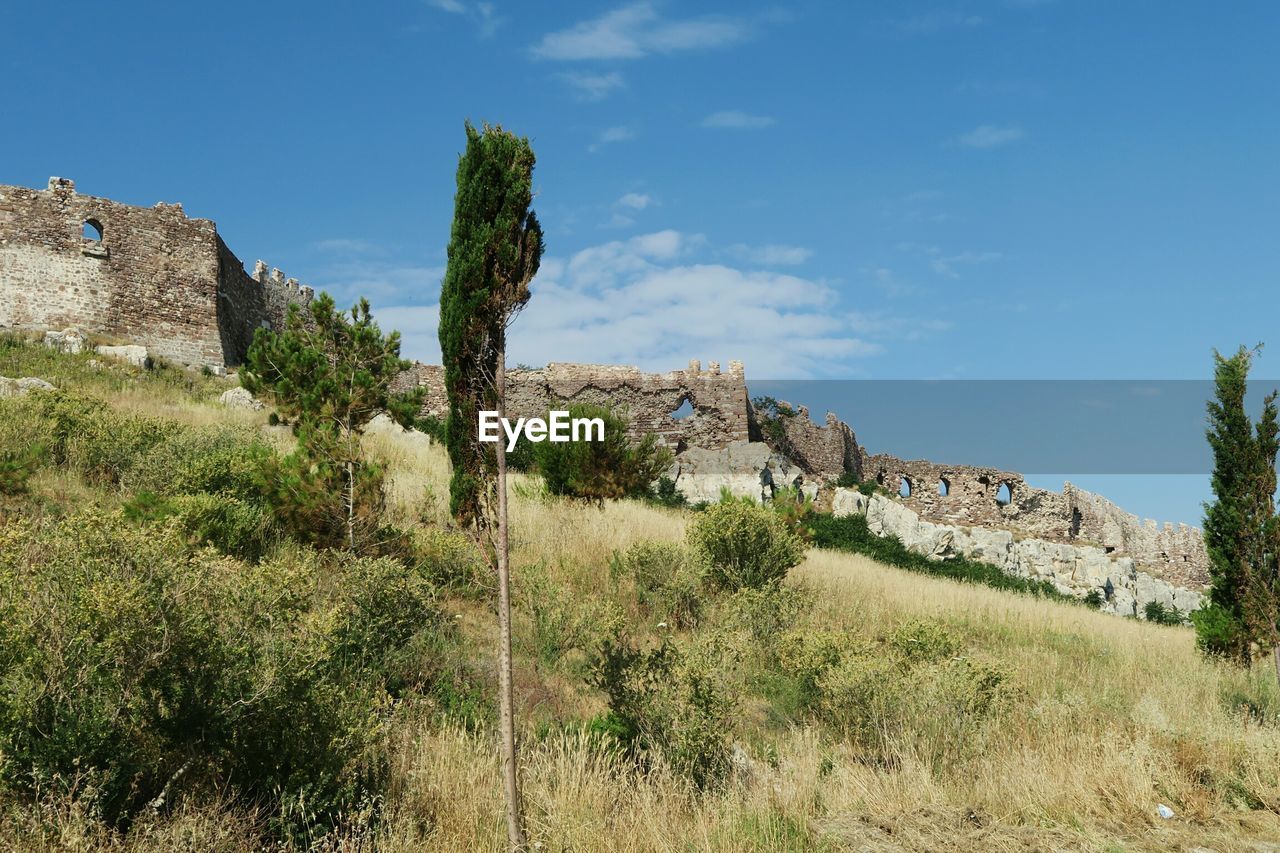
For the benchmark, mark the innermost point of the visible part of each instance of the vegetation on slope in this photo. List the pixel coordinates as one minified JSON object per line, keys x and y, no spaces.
{"x":310,"y":699}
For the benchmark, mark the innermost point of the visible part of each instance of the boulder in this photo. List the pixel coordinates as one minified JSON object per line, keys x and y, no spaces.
{"x":239,"y":398}
{"x":19,"y":387}
{"x":745,"y":468}
{"x":846,"y":502}
{"x":129,"y":353}
{"x":70,"y":341}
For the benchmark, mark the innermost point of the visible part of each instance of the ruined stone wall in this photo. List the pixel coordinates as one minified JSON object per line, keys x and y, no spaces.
{"x":247,"y":303}
{"x":155,"y":278}
{"x":824,"y":452}
{"x":717,"y":400}
{"x":971,"y":496}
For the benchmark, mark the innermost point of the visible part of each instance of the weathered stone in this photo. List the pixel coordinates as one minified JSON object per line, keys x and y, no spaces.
{"x":1073,"y":570}
{"x":70,"y":341}
{"x":18,"y":387}
{"x":240,"y":398}
{"x":151,"y":276}
{"x":746,"y":469}
{"x":128,"y":353}
{"x":848,"y":502}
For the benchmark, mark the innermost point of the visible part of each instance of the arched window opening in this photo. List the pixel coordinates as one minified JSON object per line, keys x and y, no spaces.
{"x":905,"y":489}
{"x":682,"y":411}
{"x":1004,"y":495}
{"x":92,"y":230}
{"x":944,"y":487}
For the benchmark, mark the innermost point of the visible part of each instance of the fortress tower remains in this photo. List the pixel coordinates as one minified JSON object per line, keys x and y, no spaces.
{"x":151,"y":276}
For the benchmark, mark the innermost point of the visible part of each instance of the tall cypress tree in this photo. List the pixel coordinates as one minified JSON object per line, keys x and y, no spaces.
{"x":494,"y":252}
{"x":1241,"y":528}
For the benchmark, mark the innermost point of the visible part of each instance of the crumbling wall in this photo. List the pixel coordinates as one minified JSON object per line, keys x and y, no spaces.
{"x":824,"y":452}
{"x":248,"y":303}
{"x":717,"y":400}
{"x":972,"y":496}
{"x":155,"y":277}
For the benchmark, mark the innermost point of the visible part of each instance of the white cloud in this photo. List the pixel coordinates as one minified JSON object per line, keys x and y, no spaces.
{"x":637,"y":30}
{"x":593,"y":87}
{"x":771,"y":255}
{"x":483,"y":13}
{"x":946,"y":265}
{"x":635,"y":201}
{"x":347,"y":246}
{"x":737,"y":120}
{"x":935,"y":22}
{"x":618,"y":133}
{"x":991,"y":136}
{"x":646,"y":301}
{"x":381,"y":283}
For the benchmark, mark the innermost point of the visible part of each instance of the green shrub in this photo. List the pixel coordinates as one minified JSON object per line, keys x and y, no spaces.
{"x":924,"y":641}
{"x":869,"y":488}
{"x":449,"y":559}
{"x":665,"y":493}
{"x":17,"y":467}
{"x":851,"y":533}
{"x":1157,"y":612}
{"x":667,"y":704}
{"x":1095,"y":599}
{"x":599,"y":470}
{"x":194,"y":460}
{"x":848,"y":480}
{"x":768,"y":612}
{"x":562,"y":620}
{"x":744,"y":545}
{"x":668,"y":582}
{"x":1217,"y":632}
{"x":132,"y":658}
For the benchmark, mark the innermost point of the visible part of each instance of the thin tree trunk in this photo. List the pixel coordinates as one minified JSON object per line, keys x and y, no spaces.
{"x":351,"y":490}
{"x":1275,"y":656}
{"x":506,"y":702}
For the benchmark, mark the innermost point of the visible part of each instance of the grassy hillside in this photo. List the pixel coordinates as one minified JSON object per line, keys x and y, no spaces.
{"x":264,"y":694}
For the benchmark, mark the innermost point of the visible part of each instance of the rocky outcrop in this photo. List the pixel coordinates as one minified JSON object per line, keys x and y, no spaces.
{"x":239,"y":398}
{"x":132,"y":354}
{"x":1072,"y":569}
{"x":746,"y":468}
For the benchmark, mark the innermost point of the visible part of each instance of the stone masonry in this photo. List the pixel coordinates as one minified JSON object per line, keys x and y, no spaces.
{"x":149,"y":276}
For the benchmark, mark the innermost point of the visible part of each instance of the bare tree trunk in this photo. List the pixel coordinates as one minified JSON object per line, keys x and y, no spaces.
{"x":506,"y":701}
{"x":351,"y":489}
{"x":1275,"y":656}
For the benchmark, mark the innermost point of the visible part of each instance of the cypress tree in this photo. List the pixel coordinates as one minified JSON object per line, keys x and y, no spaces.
{"x":494,"y":252}
{"x":1241,"y":529}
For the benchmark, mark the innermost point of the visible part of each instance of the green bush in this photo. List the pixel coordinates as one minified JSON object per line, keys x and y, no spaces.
{"x":848,"y":480}
{"x":924,"y":641}
{"x":194,"y":460}
{"x":667,"y":704}
{"x":668,"y":582}
{"x":1095,"y":598}
{"x":665,"y":493}
{"x":243,"y":529}
{"x":17,"y":466}
{"x":744,"y":545}
{"x":599,"y":470}
{"x":851,"y":533}
{"x":1157,"y":612}
{"x":1217,"y":631}
{"x":562,"y":621}
{"x":132,"y":658}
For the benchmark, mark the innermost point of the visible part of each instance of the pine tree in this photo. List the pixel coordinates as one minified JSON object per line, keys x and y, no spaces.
{"x":494,"y":252}
{"x":329,"y":375}
{"x":1241,"y":528}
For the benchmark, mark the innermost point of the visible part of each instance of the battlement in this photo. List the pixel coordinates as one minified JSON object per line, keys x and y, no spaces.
{"x":275,"y":278}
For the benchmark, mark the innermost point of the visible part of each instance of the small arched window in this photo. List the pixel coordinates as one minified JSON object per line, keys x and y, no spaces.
{"x":944,"y":487}
{"x":684,"y":410}
{"x":1004,"y":495}
{"x":93,"y":230}
{"x":905,"y":489}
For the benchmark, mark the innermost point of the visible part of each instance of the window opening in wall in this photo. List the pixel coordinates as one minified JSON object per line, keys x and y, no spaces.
{"x":682,"y":411}
{"x":92,"y":230}
{"x":905,"y":489}
{"x":1004,"y":495}
{"x":944,"y":487}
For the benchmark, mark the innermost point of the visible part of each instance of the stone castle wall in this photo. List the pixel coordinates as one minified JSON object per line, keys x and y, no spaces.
{"x":718,"y":408}
{"x":972,"y":497}
{"x":156,"y":277}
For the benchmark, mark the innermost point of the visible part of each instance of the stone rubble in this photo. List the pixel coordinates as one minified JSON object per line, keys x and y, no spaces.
{"x":19,"y":387}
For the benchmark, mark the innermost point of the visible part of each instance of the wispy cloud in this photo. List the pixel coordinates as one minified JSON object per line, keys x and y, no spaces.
{"x":593,"y":87}
{"x":781,"y":325}
{"x":991,"y":136}
{"x":483,"y":14}
{"x":770,"y":255}
{"x":738,"y":120}
{"x":638,"y":30}
{"x":928,"y":23}
{"x":347,"y":246}
{"x":610,"y":135}
{"x":946,"y":264}
{"x":635,"y":201}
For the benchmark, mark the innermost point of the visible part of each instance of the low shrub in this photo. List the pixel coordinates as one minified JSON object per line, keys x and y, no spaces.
{"x":152,"y":667}
{"x":743,"y":545}
{"x":668,"y":704}
{"x":848,"y":480}
{"x":668,"y":583}
{"x":1162,"y":614}
{"x":601,"y":470}
{"x":562,"y":621}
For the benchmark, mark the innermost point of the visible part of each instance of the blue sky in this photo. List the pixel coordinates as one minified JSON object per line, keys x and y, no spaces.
{"x":994,"y":189}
